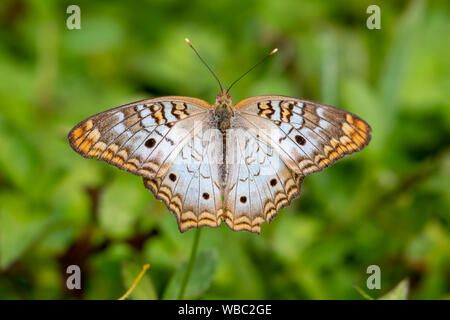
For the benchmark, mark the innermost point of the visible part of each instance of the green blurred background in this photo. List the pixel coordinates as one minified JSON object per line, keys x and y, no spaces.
{"x":388,"y":205}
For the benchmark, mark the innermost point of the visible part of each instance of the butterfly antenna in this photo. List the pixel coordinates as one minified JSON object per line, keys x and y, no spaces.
{"x":204,"y":62}
{"x":260,"y":61}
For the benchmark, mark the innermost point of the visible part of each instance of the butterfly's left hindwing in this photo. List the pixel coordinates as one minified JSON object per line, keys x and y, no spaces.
{"x":144,"y":137}
{"x":192,"y":187}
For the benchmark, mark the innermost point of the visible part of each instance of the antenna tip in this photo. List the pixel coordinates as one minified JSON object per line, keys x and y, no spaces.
{"x":188,"y":42}
{"x":273,"y":51}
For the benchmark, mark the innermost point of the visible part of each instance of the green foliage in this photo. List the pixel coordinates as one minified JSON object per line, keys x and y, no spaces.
{"x":201,"y":278}
{"x":388,"y":205}
{"x":400,"y":292}
{"x":144,"y":290}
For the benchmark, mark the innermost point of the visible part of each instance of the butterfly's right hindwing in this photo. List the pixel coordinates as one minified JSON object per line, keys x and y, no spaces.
{"x":258,"y":183}
{"x":143,"y":137}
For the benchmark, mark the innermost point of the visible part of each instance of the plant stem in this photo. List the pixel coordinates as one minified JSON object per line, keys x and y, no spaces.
{"x":190,"y":264}
{"x":361,"y":292}
{"x":135,"y":283}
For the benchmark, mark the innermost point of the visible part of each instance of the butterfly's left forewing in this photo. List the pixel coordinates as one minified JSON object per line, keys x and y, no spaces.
{"x":171,"y":142}
{"x":143,"y":137}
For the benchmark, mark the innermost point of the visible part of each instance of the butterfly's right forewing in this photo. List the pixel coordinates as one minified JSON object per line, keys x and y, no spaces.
{"x":308,"y":136}
{"x":280,"y":141}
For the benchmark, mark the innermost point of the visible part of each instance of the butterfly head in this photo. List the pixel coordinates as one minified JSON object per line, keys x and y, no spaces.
{"x":223,"y":98}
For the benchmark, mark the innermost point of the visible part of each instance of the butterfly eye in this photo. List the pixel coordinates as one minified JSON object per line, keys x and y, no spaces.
{"x":243,"y":199}
{"x":205,"y":195}
{"x":300,"y":140}
{"x":150,"y":143}
{"x":273,"y":182}
{"x":172,"y":177}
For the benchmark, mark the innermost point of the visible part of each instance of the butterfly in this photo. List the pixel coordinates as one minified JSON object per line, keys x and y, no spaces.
{"x":207,"y":162}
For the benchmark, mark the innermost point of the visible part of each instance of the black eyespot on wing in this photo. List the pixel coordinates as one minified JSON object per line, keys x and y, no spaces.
{"x":243,"y":199}
{"x":300,"y":140}
{"x":150,"y":143}
{"x":273,"y":182}
{"x":205,"y":195}
{"x":172,"y":177}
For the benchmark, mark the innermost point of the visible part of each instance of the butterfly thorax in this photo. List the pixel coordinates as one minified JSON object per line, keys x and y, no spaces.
{"x":223,"y":111}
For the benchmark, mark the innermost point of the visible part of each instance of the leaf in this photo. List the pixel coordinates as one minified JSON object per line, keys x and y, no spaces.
{"x":400,"y":292}
{"x":201,"y":278}
{"x":21,"y":224}
{"x":122,"y":203}
{"x":13,"y":143}
{"x":145,"y":289}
